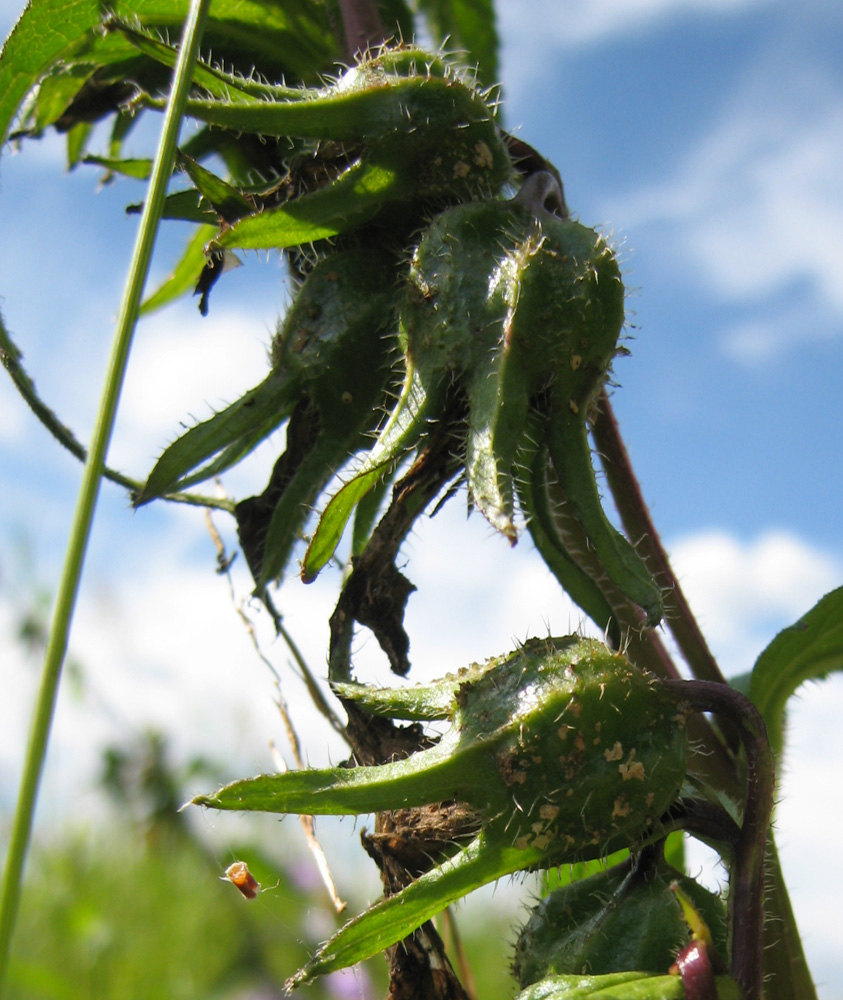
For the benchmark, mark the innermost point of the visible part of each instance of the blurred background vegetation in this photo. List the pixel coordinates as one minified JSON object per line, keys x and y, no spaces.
{"x":129,"y":899}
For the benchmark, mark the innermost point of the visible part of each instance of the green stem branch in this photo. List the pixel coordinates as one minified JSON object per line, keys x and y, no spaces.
{"x":91,"y":479}
{"x":10,"y":358}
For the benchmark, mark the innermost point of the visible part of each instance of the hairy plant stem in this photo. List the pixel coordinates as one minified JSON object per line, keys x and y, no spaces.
{"x":643,"y":645}
{"x":91,"y":479}
{"x":641,"y":531}
{"x":786,"y":971}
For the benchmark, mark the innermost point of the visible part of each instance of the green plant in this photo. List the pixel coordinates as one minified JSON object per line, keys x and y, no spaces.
{"x":443,"y":284}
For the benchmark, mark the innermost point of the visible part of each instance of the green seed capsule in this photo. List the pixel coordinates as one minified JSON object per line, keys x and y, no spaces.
{"x":564,"y":750}
{"x":414,"y":128}
{"x":522,"y":311}
{"x":510,"y":300}
{"x":564,"y":746}
{"x":333,"y":342}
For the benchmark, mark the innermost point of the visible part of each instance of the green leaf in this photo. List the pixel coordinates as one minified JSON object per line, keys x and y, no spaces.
{"x":391,"y":919}
{"x":467,"y":26}
{"x":532,"y":485}
{"x":296,"y":503}
{"x":184,"y":206}
{"x":556,"y":878}
{"x":185,"y":274}
{"x":334,"y":519}
{"x":230,"y":434}
{"x":45,"y":33}
{"x":77,"y":142}
{"x":218,"y":83}
{"x":401,"y":432}
{"x":271,"y":40}
{"x":568,"y":445}
{"x":292,"y":38}
{"x":367,"y":512}
{"x":615,"y":986}
{"x":810,"y":649}
{"x":225,"y":199}
{"x":349,"y":202}
{"x":342,"y":791}
{"x":138,"y":170}
{"x":123,"y":126}
{"x":621,"y":986}
{"x":56,"y":91}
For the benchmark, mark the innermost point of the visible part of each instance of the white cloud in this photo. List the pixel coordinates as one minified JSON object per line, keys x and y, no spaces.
{"x":161,"y":645}
{"x":574,"y":22}
{"x":184,"y":367}
{"x":756,"y":204}
{"x":743,"y":593}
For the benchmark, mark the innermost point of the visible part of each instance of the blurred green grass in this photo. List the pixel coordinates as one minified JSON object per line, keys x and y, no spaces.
{"x":116,"y":915}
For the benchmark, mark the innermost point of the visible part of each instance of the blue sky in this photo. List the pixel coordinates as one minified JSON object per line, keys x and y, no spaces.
{"x":707,"y":137}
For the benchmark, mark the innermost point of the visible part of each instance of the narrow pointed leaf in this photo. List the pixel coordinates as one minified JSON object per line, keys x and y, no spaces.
{"x":531,"y":481}
{"x":293,"y":39}
{"x":225,"y":199}
{"x":367,"y":511}
{"x":401,"y":432}
{"x":614,"y":986}
{"x":55,"y":93}
{"x":183,"y":206}
{"x":339,"y":791}
{"x":296,"y":503}
{"x":77,"y":143}
{"x":341,"y":206}
{"x":621,"y":986}
{"x":244,"y":424}
{"x":392,"y":919}
{"x":136,"y":169}
{"x":571,"y":455}
{"x":334,"y":519}
{"x":218,"y":84}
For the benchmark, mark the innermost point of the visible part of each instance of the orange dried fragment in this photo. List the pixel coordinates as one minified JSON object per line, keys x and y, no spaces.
{"x":239,"y":874}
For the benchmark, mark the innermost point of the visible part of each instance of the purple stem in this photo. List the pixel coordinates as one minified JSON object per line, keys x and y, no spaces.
{"x":642,"y":533}
{"x":362,"y":25}
{"x":746,"y":883}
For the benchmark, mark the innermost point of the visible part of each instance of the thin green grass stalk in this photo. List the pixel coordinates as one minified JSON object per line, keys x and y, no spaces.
{"x":91,"y":479}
